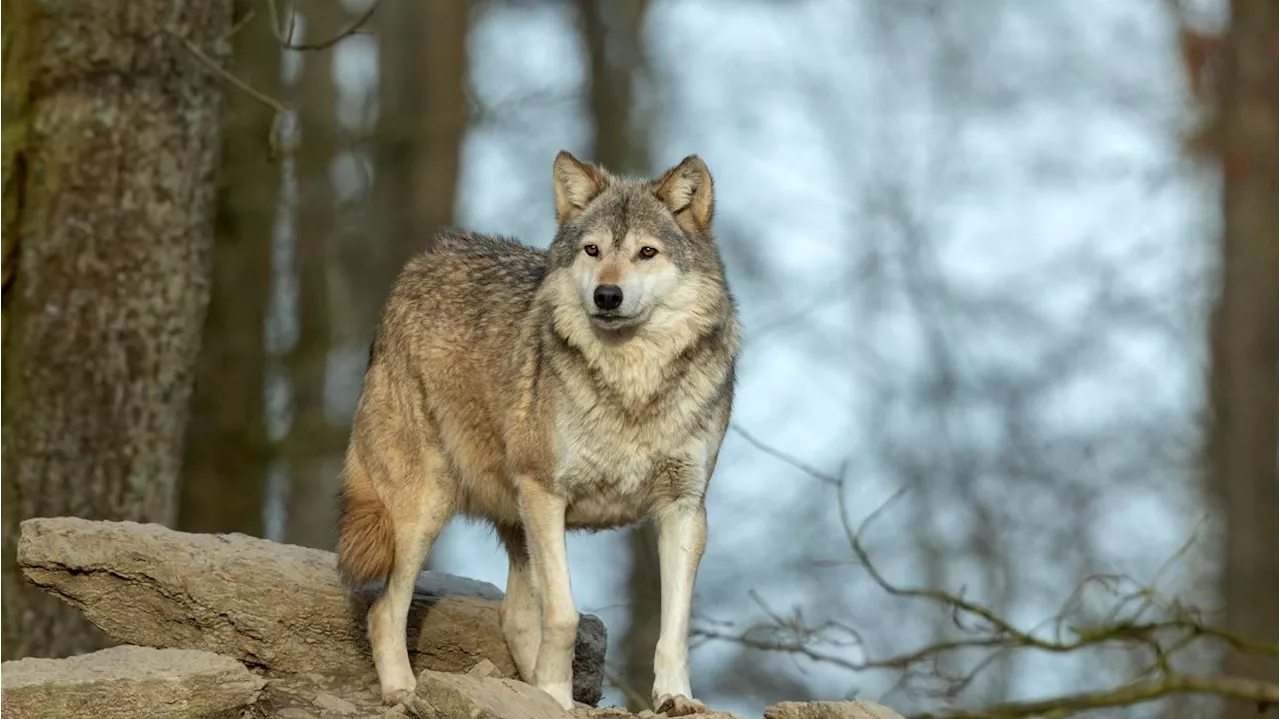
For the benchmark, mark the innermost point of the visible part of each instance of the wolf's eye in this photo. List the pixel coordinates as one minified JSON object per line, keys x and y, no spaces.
{"x":591,"y":250}
{"x":648,"y":253}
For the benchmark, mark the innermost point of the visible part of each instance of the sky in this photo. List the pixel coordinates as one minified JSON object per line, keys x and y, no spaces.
{"x":907,"y":193}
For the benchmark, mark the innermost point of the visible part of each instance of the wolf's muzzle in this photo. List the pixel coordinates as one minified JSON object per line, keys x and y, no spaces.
{"x":608,"y":297}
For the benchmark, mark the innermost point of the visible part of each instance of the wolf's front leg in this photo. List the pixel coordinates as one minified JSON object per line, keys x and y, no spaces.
{"x":543,"y":514}
{"x":682,"y":536}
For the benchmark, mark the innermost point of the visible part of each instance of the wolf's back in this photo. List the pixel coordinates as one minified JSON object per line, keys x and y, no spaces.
{"x":468,"y":295}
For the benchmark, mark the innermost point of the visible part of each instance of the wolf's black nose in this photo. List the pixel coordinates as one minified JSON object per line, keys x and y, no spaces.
{"x":608,"y":297}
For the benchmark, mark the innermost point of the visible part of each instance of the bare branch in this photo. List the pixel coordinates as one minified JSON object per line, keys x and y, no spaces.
{"x":789,"y":459}
{"x":1264,"y":693}
{"x":1126,"y":623}
{"x":285,"y":35}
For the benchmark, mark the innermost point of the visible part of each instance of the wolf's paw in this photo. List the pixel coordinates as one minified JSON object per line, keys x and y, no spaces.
{"x":398,"y":693}
{"x":678,"y":705}
{"x":562,"y":692}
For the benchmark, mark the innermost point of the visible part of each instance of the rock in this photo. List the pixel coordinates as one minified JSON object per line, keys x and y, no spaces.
{"x":484,"y":669}
{"x":463,"y":696}
{"x":609,"y":713}
{"x":855,"y":709}
{"x":588,"y":661}
{"x":277,"y":606}
{"x":128,"y":682}
{"x":313,"y":696}
{"x":620,"y":713}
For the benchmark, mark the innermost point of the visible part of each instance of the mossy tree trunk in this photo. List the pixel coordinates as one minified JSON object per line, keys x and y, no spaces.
{"x":109,"y":201}
{"x":19,"y":33}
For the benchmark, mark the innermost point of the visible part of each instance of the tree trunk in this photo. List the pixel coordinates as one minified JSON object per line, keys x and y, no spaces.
{"x":422,"y":127}
{"x":1243,"y":383}
{"x":17,"y":51}
{"x":612,"y":33}
{"x":311,"y":450}
{"x":227,"y":450}
{"x":106,"y":288}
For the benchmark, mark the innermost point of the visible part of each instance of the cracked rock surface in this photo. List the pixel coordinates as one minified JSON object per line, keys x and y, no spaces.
{"x":126,"y":682}
{"x":275,"y":606}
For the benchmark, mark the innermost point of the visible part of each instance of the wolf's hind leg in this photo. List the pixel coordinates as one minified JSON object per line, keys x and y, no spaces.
{"x":543,"y":514}
{"x":420,"y":502}
{"x":521,"y":607}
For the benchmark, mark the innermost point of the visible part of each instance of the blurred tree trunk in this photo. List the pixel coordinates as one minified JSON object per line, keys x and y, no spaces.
{"x":311,"y":444}
{"x":110,"y":189}
{"x":612,"y":33}
{"x":227,"y":450}
{"x":1243,"y":383}
{"x":21,"y":22}
{"x":422,"y":125}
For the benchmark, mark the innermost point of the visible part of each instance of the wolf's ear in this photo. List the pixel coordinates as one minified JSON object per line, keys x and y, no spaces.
{"x":688,"y":191}
{"x":576,"y":184}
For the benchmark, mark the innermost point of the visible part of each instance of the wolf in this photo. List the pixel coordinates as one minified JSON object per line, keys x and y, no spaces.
{"x":584,"y":387}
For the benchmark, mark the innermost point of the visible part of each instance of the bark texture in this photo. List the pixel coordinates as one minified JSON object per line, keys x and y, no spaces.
{"x":225,"y":464}
{"x":107,"y":283}
{"x":1244,"y":335}
{"x":17,"y":53}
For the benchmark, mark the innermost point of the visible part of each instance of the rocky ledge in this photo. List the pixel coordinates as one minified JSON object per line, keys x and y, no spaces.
{"x":215,"y":626}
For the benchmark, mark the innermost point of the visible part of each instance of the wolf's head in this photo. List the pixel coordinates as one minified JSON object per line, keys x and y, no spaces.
{"x":636,"y":255}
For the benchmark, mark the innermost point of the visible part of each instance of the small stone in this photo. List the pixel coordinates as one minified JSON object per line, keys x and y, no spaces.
{"x":484,"y":668}
{"x":335,"y":704}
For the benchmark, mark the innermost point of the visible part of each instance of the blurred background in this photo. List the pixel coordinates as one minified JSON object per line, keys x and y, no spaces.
{"x":976,"y":247}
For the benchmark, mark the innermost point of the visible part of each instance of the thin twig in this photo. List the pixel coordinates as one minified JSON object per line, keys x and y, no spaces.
{"x":286,"y":36}
{"x":240,"y":24}
{"x":789,"y":459}
{"x":275,"y":105}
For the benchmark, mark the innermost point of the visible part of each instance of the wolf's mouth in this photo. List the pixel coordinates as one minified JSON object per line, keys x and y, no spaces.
{"x":612,"y":320}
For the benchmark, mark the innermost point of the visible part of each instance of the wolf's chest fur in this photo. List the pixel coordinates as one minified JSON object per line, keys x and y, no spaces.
{"x":612,"y":471}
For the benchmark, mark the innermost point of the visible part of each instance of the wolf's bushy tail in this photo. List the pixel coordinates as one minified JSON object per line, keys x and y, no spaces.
{"x":366,"y":537}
